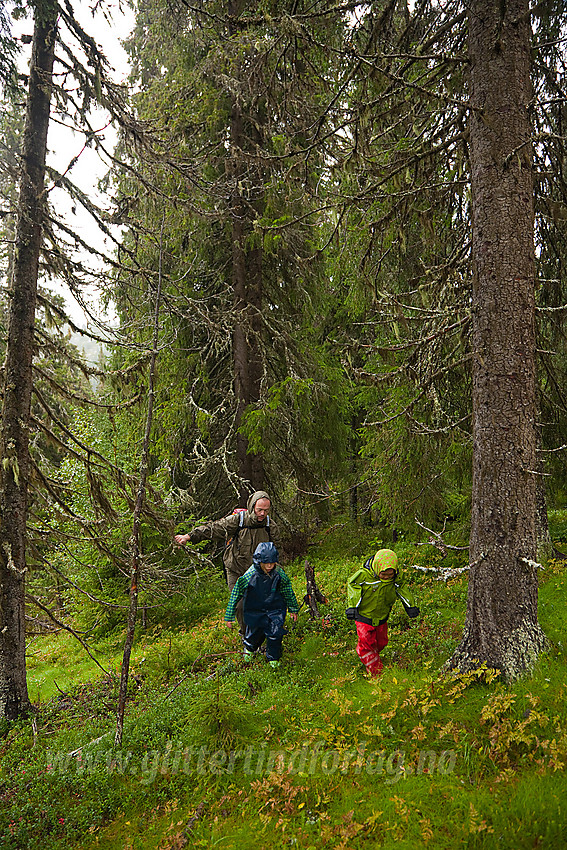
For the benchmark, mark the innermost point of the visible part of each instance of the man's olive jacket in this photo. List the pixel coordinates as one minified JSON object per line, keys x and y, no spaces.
{"x":244,"y":534}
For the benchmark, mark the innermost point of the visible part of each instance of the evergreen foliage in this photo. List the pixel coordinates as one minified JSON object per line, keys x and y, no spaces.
{"x":307,"y":165}
{"x":219,"y":77}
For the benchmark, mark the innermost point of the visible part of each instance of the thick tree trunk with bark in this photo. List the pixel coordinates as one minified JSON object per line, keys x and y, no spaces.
{"x":501,"y":627}
{"x":14,"y":436}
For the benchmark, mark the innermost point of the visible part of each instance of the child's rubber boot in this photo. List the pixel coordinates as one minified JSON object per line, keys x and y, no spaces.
{"x":274,"y":664}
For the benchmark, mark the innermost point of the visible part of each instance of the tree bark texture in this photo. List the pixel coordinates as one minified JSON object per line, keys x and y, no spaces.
{"x":501,"y":627}
{"x":14,"y":436}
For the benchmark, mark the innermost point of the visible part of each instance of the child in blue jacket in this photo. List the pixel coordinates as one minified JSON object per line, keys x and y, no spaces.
{"x":267,"y":594}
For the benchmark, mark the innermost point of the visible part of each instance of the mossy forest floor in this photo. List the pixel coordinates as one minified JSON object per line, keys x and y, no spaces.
{"x":313,"y":754}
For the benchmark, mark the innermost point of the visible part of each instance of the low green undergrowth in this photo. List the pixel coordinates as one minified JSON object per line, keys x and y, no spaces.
{"x":313,"y":754}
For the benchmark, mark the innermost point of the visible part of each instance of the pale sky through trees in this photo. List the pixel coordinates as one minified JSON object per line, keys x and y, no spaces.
{"x":64,"y":143}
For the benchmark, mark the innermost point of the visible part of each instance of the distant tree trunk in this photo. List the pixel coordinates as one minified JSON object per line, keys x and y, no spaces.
{"x":135,"y":542}
{"x":501,"y":627}
{"x":247,"y":283}
{"x":353,"y":503}
{"x":247,"y":275}
{"x":545,"y":547}
{"x":14,"y":435}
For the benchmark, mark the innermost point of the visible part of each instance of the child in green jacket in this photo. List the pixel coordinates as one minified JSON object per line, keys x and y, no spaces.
{"x":371,"y":594}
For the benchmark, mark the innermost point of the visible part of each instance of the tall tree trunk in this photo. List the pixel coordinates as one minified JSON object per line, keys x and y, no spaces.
{"x":247,"y":284}
{"x":501,"y":627}
{"x":135,"y":542}
{"x":247,"y":274}
{"x":14,"y":436}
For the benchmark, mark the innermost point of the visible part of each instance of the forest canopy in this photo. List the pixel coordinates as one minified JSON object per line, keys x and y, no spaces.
{"x":333,"y":241}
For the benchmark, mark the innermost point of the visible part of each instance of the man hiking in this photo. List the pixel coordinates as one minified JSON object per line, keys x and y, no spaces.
{"x":243,"y":531}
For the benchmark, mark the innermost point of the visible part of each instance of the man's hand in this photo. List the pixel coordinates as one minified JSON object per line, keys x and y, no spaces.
{"x":181,"y":539}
